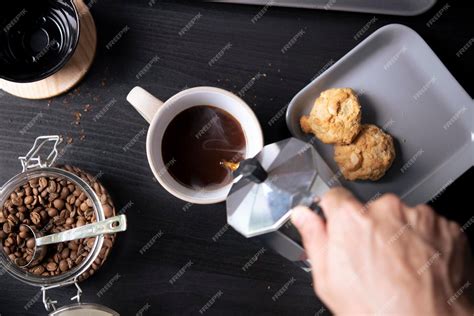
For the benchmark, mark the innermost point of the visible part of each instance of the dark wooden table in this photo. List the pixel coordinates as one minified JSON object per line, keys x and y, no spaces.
{"x":141,"y":282}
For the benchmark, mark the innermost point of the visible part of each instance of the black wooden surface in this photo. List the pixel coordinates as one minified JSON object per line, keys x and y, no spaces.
{"x":141,"y":282}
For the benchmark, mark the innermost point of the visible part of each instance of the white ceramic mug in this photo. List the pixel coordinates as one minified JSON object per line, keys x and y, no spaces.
{"x":159,"y":114}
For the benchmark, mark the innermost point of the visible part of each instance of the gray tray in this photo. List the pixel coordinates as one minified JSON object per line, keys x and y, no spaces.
{"x":395,"y":7}
{"x":405,"y":89}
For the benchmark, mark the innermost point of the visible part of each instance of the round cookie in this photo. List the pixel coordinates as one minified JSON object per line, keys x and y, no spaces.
{"x":335,"y":117}
{"x":369,"y":157}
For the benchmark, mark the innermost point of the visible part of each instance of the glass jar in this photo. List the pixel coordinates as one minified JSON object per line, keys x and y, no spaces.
{"x":35,"y":166}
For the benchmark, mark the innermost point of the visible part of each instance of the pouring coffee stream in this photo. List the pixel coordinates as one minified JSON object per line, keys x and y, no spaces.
{"x":231,"y":166}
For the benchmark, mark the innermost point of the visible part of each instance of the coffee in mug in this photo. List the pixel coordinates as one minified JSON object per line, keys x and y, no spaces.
{"x":196,"y":143}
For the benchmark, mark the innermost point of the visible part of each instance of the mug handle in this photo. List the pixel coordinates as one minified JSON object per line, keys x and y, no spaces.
{"x":144,"y":102}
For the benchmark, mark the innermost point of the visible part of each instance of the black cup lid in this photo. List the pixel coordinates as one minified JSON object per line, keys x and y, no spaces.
{"x":37,"y":38}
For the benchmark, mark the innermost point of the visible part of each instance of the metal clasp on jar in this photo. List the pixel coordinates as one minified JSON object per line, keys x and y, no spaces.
{"x":49,"y":304}
{"x":33,"y":158}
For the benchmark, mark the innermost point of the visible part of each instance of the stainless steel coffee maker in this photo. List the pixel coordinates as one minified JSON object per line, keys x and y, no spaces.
{"x":265,"y":189}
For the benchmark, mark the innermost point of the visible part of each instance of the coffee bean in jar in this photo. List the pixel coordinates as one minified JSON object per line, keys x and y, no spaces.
{"x":52,"y":205}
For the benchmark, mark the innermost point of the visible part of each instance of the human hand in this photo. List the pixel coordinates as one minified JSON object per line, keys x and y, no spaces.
{"x":385,"y":257}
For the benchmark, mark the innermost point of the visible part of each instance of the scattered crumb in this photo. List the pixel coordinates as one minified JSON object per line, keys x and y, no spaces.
{"x":82,"y":136}
{"x":77,"y":118}
{"x":103,"y":82}
{"x":87,"y":107}
{"x":69,"y":140}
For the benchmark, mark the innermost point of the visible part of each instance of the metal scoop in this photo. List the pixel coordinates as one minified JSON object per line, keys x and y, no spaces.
{"x":109,"y":226}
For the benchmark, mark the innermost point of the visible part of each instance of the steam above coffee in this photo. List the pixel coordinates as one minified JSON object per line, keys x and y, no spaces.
{"x":197,"y":141}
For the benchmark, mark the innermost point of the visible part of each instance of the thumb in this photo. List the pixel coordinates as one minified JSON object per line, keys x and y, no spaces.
{"x":313,"y":231}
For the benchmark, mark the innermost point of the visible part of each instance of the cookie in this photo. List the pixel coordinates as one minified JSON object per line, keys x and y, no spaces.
{"x":335,"y":117}
{"x":369,"y":157}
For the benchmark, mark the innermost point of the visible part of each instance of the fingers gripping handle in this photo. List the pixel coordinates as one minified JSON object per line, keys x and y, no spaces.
{"x":309,"y":200}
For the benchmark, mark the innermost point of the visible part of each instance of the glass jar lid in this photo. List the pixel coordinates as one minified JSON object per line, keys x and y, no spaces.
{"x":80,"y":309}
